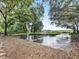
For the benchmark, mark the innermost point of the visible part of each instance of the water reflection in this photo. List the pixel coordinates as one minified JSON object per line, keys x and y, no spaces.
{"x":58,"y":41}
{"x":33,"y":38}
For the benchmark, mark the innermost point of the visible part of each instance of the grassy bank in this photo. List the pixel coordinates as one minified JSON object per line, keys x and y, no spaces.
{"x":45,"y":32}
{"x":41,"y":33}
{"x":75,"y":37}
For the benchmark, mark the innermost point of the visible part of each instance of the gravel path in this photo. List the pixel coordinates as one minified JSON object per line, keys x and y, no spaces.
{"x":2,"y":51}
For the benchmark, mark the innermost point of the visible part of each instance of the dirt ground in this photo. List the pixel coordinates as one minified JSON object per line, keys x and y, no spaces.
{"x":21,"y":49}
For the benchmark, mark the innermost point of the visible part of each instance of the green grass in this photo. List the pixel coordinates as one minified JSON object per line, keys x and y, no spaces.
{"x":1,"y":30}
{"x":48,"y":32}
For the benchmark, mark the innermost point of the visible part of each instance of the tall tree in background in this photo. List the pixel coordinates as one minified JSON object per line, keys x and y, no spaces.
{"x":18,"y":14}
{"x":8,"y":6}
{"x":65,"y":13}
{"x":38,"y":10}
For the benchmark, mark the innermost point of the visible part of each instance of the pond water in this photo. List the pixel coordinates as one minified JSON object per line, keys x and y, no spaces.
{"x":57,"y":41}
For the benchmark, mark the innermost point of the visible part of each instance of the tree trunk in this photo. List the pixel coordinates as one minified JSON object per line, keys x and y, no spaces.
{"x":34,"y":29}
{"x":74,"y":28}
{"x":5,"y":22}
{"x":77,"y":29}
{"x":5,"y":30}
{"x":76,"y":23}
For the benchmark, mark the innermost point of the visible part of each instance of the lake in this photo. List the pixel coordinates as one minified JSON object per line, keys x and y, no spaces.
{"x":56,"y":41}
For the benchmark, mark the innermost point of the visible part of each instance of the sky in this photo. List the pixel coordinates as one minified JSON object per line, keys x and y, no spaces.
{"x":46,"y":21}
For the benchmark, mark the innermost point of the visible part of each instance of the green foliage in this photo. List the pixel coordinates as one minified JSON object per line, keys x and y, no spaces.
{"x":18,"y":13}
{"x":65,"y":13}
{"x":37,"y":27}
{"x":1,"y":29}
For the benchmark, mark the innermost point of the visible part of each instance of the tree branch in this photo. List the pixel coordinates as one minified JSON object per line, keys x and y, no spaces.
{"x":2,"y":13}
